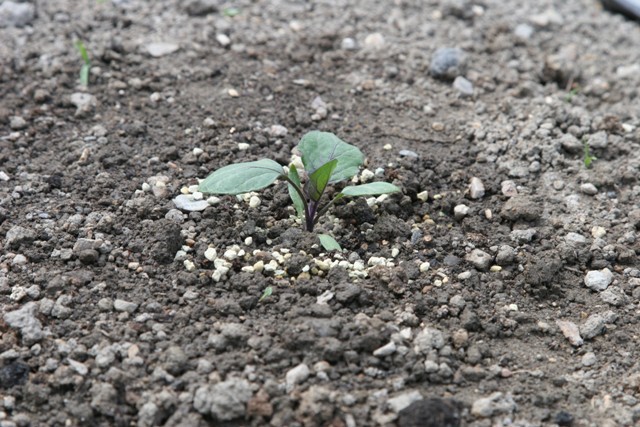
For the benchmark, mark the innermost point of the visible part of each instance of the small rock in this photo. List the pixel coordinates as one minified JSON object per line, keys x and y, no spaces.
{"x":463,"y":86}
{"x":598,"y":280}
{"x":595,"y":324}
{"x":448,"y":63}
{"x":571,"y":332}
{"x":589,"y":189}
{"x":225,"y":401}
{"x":575,"y":239}
{"x":201,"y":7}
{"x":296,"y":375}
{"x":509,"y":188}
{"x":25,"y":319}
{"x":523,"y":236}
{"x":523,"y":31}
{"x":434,"y":412}
{"x":17,"y":123}
{"x":125,"y":306}
{"x":521,"y":208}
{"x":175,"y":360}
{"x":385,"y":350}
{"x":571,"y":144}
{"x":408,"y":153}
{"x":479,"y":259}
{"x":589,"y":359}
{"x":598,"y":140}
{"x":278,"y":131}
{"x":505,"y":256}
{"x":84,"y":102}
{"x":186,"y":202}
{"x":428,"y":339}
{"x":254,"y":201}
{"x":402,"y":401}
{"x":613,"y":296}
{"x":348,"y":44}
{"x":160,"y":49}
{"x":497,"y":403}
{"x":476,"y":188}
{"x":223,"y":39}
{"x":14,"y":14}
{"x":460,"y":211}
{"x":374,"y":41}
{"x":17,"y":236}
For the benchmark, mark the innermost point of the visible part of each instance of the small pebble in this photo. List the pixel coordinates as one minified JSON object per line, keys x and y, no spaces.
{"x":254,"y":201}
{"x":463,"y":86}
{"x":589,"y":189}
{"x":423,"y":196}
{"x":476,"y":188}
{"x":460,"y":211}
{"x":598,"y":280}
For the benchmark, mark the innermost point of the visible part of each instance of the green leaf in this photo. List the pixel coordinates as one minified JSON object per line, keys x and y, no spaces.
{"x":295,"y":197}
{"x":231,"y":11}
{"x":371,"y":189}
{"x":329,"y":243}
{"x":241,"y":177}
{"x":318,"y":180}
{"x":83,"y":51}
{"x":319,"y":148}
{"x":266,"y":294}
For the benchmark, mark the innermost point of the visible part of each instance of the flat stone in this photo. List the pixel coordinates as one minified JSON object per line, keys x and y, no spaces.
{"x":571,"y":332}
{"x":479,"y":259}
{"x":402,"y":401}
{"x":186,"y":202}
{"x":25,"y":319}
{"x":126,"y":306}
{"x":296,"y":375}
{"x":160,"y":49}
{"x":13,"y":14}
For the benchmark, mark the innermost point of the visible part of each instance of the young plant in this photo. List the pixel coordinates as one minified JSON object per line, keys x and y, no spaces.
{"x":588,"y":158}
{"x":326,"y":159}
{"x":84,"y":70}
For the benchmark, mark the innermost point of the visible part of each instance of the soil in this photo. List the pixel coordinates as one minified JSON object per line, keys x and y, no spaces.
{"x":116,"y":311}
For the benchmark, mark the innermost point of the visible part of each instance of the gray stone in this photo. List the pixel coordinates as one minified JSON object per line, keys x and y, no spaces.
{"x":476,"y":188}
{"x":401,"y":401}
{"x":13,"y":14}
{"x":122,"y":305}
{"x":201,"y":7}
{"x":589,"y":359}
{"x":428,"y":339}
{"x":479,"y":259}
{"x":175,"y":360}
{"x":17,"y":236}
{"x":495,"y":404}
{"x":506,"y":255}
{"x":235,"y":332}
{"x":463,"y":86}
{"x":509,"y":188}
{"x":84,"y":102}
{"x":186,"y":202}
{"x":521,"y":208}
{"x":225,"y":401}
{"x":408,"y":153}
{"x":25,"y":319}
{"x":385,"y":350}
{"x":598,"y":140}
{"x":595,"y":324}
{"x":614,"y":296}
{"x":17,"y":123}
{"x":60,"y":309}
{"x":575,"y":239}
{"x":104,"y":398}
{"x":160,"y":49}
{"x":571,"y":144}
{"x":588,"y":189}
{"x":598,"y":280}
{"x":448,"y":63}
{"x":523,"y":31}
{"x":460,"y":211}
{"x":296,"y":375}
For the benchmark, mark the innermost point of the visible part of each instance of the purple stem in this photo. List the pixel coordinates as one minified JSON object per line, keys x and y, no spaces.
{"x":310,"y":214}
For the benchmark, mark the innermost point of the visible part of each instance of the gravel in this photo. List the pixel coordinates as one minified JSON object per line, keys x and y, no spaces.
{"x":598,"y":280}
{"x":448,"y":63}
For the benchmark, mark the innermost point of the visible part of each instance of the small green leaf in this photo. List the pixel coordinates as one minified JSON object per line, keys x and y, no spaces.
{"x":319,"y":148}
{"x":83,"y":51}
{"x":242,"y":177}
{"x":231,"y":11}
{"x":329,"y":243}
{"x":295,"y":197}
{"x":266,"y":294}
{"x":318,"y":180}
{"x":371,"y":189}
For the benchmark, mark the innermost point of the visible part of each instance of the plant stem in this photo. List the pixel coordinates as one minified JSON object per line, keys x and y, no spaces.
{"x":310,"y":214}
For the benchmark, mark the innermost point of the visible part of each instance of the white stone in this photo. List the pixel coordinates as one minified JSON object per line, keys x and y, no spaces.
{"x":189,"y":265}
{"x":223,"y":39}
{"x":402,"y":401}
{"x":598,"y":280}
{"x":476,"y":188}
{"x":460,"y":211}
{"x":211,"y":254}
{"x":296,"y":375}
{"x":254,"y":201}
{"x":243,"y":146}
{"x":385,"y":350}
{"x":424,"y":267}
{"x":161,"y":49}
{"x":374,"y":41}
{"x":423,"y":196}
{"x":122,"y":305}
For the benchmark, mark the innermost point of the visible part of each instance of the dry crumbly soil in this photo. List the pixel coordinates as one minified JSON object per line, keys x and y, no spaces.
{"x":115,"y":310}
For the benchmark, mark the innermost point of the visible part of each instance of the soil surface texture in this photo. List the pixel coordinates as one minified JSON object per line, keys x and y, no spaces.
{"x":501,"y":287}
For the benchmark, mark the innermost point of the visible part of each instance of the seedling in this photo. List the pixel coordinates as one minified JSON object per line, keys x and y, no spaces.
{"x":230,"y":11}
{"x":588,"y":158}
{"x":84,"y":70}
{"x":326,"y":159}
{"x":266,"y":294}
